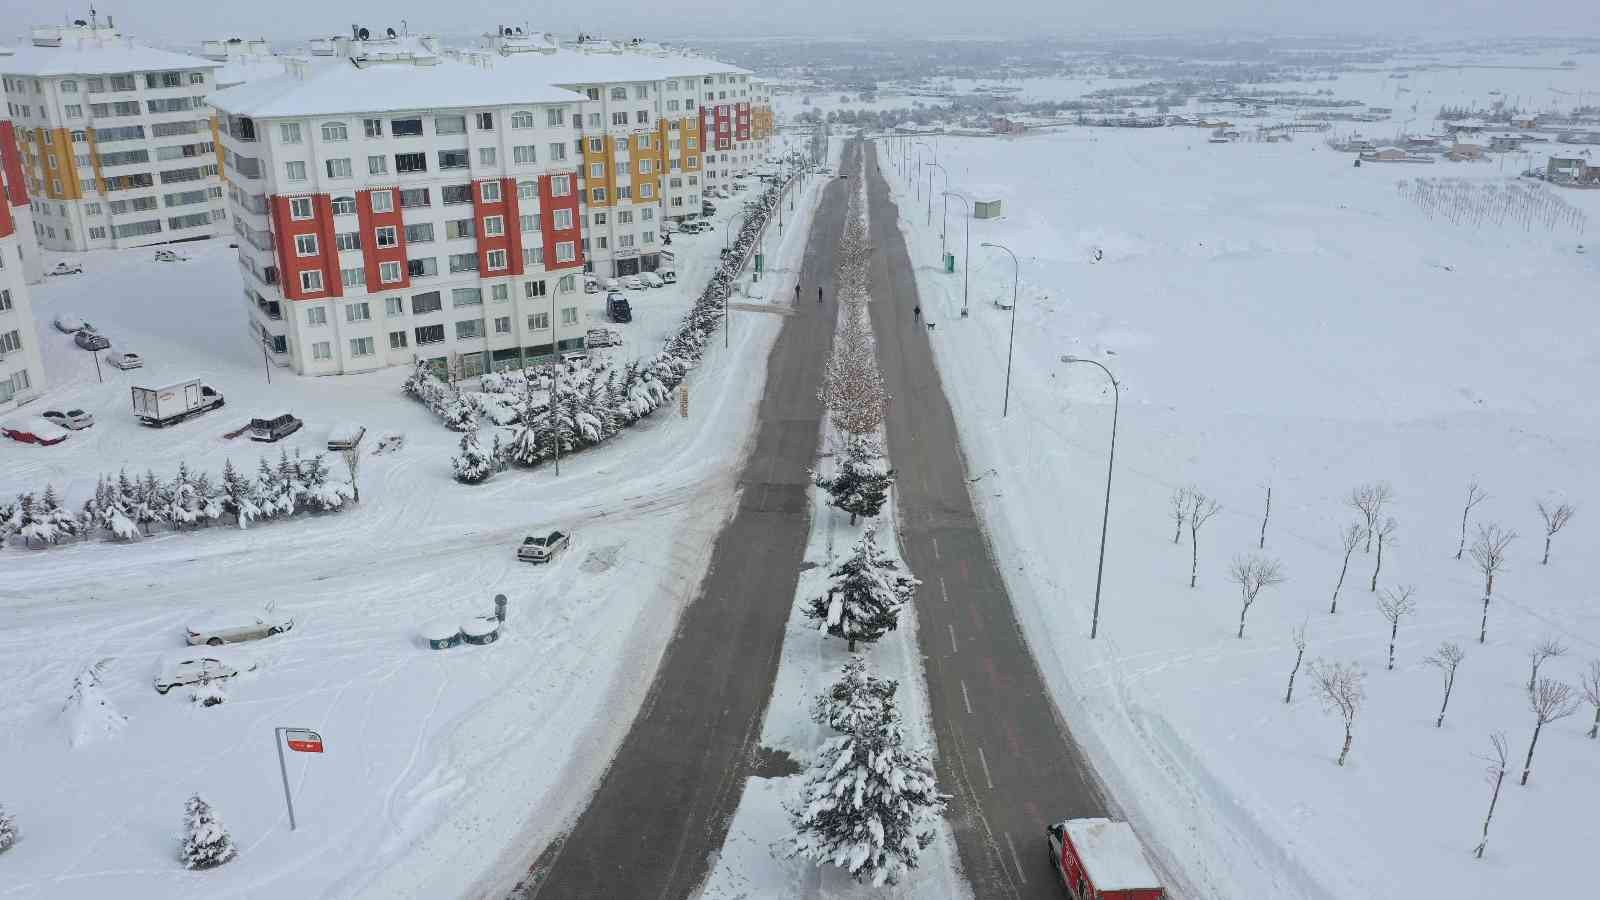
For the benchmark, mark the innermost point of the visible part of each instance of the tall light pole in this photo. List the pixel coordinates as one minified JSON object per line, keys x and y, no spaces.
{"x":943,"y":222}
{"x":728,"y":289}
{"x":1016,"y":275}
{"x":966,"y":264}
{"x":1111,"y":460}
{"x":924,"y":146}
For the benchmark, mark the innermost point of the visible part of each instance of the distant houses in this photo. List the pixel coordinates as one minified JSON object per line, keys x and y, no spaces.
{"x":1572,"y":171}
{"x":1394,"y":155}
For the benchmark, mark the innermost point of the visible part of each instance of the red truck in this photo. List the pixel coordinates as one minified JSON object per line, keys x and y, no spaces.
{"x":1098,"y":859}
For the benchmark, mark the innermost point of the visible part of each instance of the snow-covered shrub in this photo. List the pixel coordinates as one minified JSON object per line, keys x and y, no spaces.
{"x":88,"y":714}
{"x":8,"y":830}
{"x":474,"y":465}
{"x":205,"y":843}
{"x":209,"y":693}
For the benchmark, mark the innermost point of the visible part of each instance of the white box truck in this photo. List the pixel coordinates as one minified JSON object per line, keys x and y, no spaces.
{"x":175,"y":402}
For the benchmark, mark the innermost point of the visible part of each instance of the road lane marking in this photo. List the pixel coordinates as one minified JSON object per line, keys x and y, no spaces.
{"x":942,"y":591}
{"x":984,"y":760}
{"x":935,"y":548}
{"x":953,"y":647}
{"x":965,"y":700}
{"x":1017,"y":860}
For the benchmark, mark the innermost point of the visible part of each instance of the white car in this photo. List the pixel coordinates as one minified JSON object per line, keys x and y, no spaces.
{"x":651,"y":279}
{"x":125,"y":360}
{"x":543,"y":548}
{"x":226,"y":627}
{"x":183,"y":669}
{"x":75,"y":419}
{"x":611,"y":284}
{"x":633,"y":283}
{"x":70,"y":324}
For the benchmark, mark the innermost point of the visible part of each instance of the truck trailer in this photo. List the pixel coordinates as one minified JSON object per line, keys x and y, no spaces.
{"x":162,"y":406}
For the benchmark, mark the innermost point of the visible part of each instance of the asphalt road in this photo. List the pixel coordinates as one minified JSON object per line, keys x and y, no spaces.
{"x":1004,"y":755}
{"x":664,"y":805}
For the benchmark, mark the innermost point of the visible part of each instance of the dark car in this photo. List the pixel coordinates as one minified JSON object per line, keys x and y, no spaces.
{"x":88,"y":340}
{"x":617,"y":308}
{"x":275,"y":429}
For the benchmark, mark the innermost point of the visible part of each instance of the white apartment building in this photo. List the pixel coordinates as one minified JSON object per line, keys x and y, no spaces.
{"x":21,"y":370}
{"x":394,"y":204}
{"x":117,"y":140}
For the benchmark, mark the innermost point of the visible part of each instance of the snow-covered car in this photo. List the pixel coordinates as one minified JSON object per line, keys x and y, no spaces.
{"x":73,"y":419}
{"x":612,"y":284}
{"x":543,"y":548}
{"x":67,"y":323}
{"x":125,"y":359}
{"x":66,"y":268}
{"x":724,"y":193}
{"x":190,"y":668}
{"x":231,"y":626}
{"x":170,"y":256}
{"x":651,"y":279}
{"x":669,"y":226}
{"x":88,"y":340}
{"x":591,"y":284}
{"x":602,"y":337}
{"x":668,"y":276}
{"x":633,"y":283}
{"x":34,"y":430}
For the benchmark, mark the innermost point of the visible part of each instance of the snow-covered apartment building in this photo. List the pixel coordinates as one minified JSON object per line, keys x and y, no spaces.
{"x":396,"y":201}
{"x":21,"y":370}
{"x":117,"y":141}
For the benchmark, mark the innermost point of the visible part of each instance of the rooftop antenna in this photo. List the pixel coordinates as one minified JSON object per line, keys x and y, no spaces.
{"x":94,"y":18}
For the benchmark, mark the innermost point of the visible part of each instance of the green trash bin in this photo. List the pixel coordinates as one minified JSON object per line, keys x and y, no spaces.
{"x":949,"y":263}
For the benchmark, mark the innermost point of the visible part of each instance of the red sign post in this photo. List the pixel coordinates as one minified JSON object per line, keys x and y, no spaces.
{"x":300,"y":740}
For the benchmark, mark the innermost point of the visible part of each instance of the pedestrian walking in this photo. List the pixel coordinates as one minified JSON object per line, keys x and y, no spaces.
{"x":916,"y":312}
{"x":819,"y":293}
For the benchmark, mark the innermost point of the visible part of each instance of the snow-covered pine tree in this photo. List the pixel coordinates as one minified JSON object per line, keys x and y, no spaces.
{"x":473,"y":465}
{"x":25,"y":521}
{"x":463,"y":413}
{"x":208,"y":504}
{"x":865,"y":594}
{"x":8,"y":830}
{"x":315,"y":486}
{"x":869,"y":805}
{"x":117,"y":513}
{"x":51,"y":512}
{"x":7,"y":510}
{"x":238,"y":496}
{"x":289,"y":489}
{"x":91,"y":515}
{"x":860,"y":483}
{"x":152,"y":502}
{"x":858,"y":698}
{"x":205,"y":843}
{"x":183,"y":507}
{"x":268,"y":487}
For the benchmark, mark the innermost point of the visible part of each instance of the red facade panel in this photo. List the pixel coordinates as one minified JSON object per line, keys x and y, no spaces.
{"x":510,"y":237}
{"x":8,"y":224}
{"x":286,"y":228}
{"x":372,"y":254}
{"x":11,"y":162}
{"x":549,"y":202}
{"x":742,"y":126}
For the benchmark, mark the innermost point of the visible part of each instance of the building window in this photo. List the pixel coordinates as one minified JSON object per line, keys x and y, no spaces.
{"x":500,"y":293}
{"x":429,"y":334}
{"x":558,"y":152}
{"x":453,"y":159}
{"x":410,"y":162}
{"x":316,"y":315}
{"x":311,"y":281}
{"x":357,"y":312}
{"x":522,"y":119}
{"x":385,"y":236}
{"x":353,"y":277}
{"x":372,"y":127}
{"x":529,"y":222}
{"x":619,"y":118}
{"x":335,"y":131}
{"x":494,"y":226}
{"x":502,"y":325}
{"x":568,"y":284}
{"x":561,"y":219}
{"x":641,"y":117}
{"x":490,"y":191}
{"x":397,"y":340}
{"x":389,"y":273}
{"x":378,"y":165}
{"x":405,"y":127}
{"x":394,"y":306}
{"x":565,"y":252}
{"x":382,"y":201}
{"x":599,"y":195}
{"x":414,"y":198}
{"x":597,"y":170}
{"x":497,"y":260}
{"x":305,"y":245}
{"x":361,"y":346}
{"x":339,"y":168}
{"x":295,"y":171}
{"x":460,"y":297}
{"x":533,"y":289}
{"x":560,"y":185}
{"x":463,"y":262}
{"x":485,"y":121}
{"x":420,"y":233}
{"x":300,"y":208}
{"x":555,"y":117}
{"x":486,"y":156}
{"x":289,"y":132}
{"x":524,"y":155}
{"x":321,"y":350}
{"x":528,"y":190}
{"x":74,"y":111}
{"x":449,"y":124}
{"x":426,"y":303}
{"x":539,"y":322}
{"x":467,"y":329}
{"x":347,"y":240}
{"x":458,"y":228}
{"x":344,"y":206}
{"x":569,"y":315}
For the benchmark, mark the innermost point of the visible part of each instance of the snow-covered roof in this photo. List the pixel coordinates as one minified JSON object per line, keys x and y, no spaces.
{"x":341,"y":87}
{"x":241,"y":70}
{"x":109,"y":58}
{"x":478,"y":626}
{"x":1111,"y":852}
{"x":577,"y":67}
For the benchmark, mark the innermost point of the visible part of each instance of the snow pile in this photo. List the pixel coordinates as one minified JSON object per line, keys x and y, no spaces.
{"x":88,"y":714}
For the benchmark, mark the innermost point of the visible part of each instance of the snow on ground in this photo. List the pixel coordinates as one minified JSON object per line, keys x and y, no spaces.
{"x":1276,"y":315}
{"x":444,"y":769}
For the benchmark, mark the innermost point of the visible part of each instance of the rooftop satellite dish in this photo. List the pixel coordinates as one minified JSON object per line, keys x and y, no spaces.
{"x":506,"y":30}
{"x":391,"y":32}
{"x":364,"y":34}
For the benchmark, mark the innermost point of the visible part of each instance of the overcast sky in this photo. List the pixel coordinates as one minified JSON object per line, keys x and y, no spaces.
{"x":193,"y":20}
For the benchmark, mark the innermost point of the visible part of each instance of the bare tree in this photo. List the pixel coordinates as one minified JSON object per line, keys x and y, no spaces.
{"x":1201,"y":509}
{"x":1547,"y":649}
{"x":1496,"y":775}
{"x":1555,"y":518}
{"x":1369,"y":500}
{"x":1395,"y":604}
{"x":352,"y":462}
{"x":1591,"y":693}
{"x":1446,"y":659}
{"x":1489,"y":555}
{"x":1252,"y":573}
{"x":1550,"y":700}
{"x":1341,"y":688}
{"x":1262,"y":544}
{"x":1299,"y":637}
{"x":1179,"y":512}
{"x":1386,"y":530}
{"x":1351,"y":538}
{"x":1475,"y":495}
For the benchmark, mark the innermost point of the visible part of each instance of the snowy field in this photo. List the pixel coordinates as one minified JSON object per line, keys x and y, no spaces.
{"x":445,"y":771}
{"x":1277,"y":316}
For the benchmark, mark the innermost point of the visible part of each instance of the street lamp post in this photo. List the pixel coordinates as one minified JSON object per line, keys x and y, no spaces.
{"x":1111,"y":460}
{"x":1016,"y":274}
{"x":728,"y":289}
{"x":966,"y":264}
{"x":945,"y":216}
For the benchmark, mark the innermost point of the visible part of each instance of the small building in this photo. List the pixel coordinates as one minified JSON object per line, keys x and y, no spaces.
{"x":1466,"y":152}
{"x":986,"y":209}
{"x":1386,"y":154}
{"x":1564,"y":168}
{"x":1003,"y":125}
{"x":1380,"y":110}
{"x":1505,"y":143}
{"x":1524,"y":121}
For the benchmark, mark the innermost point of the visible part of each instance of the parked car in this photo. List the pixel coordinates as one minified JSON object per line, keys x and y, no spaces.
{"x":543,"y":548}
{"x":70,"y":324}
{"x":88,"y":340}
{"x":182,"y":669}
{"x":66,"y":268}
{"x":125,"y":359}
{"x":73,"y":419}
{"x":347,"y":436}
{"x":708,"y":209}
{"x":274,"y":429}
{"x":612,"y":284}
{"x":229,"y":626}
{"x":617,"y":308}
{"x":724,"y":193}
{"x":670,"y":225}
{"x":602,"y":337}
{"x":651,"y":279}
{"x":633,"y":283}
{"x":591,"y":284}
{"x":34,"y":430}
{"x":170,"y":256}
{"x":668,"y":276}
